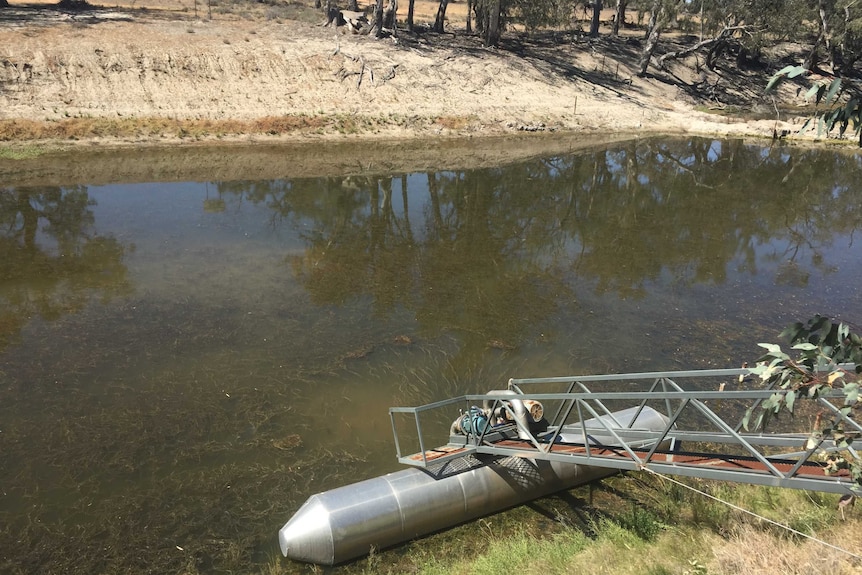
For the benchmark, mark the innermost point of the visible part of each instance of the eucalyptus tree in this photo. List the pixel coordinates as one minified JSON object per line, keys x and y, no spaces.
{"x":410,"y":9}
{"x":730,"y":27}
{"x":595,"y":20}
{"x":440,"y":19}
{"x":745,"y":27}
{"x":619,"y":17}
{"x":548,"y":13}
{"x":836,"y":91}
{"x":494,"y":25}
{"x":385,"y":18}
{"x":839,"y":33}
{"x":662,"y":12}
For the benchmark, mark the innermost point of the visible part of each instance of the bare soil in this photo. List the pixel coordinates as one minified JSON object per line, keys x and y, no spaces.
{"x":168,"y":71}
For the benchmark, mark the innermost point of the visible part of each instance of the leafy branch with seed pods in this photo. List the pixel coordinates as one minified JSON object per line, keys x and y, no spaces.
{"x":828,"y":364}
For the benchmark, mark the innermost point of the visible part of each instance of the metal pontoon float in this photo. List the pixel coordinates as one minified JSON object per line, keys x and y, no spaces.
{"x":504,"y":450}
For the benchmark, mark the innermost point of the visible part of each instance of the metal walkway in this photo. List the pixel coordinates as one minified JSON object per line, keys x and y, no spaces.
{"x":703,"y":436}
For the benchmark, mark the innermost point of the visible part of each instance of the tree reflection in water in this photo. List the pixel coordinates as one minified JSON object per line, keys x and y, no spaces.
{"x":490,"y":253}
{"x":52,"y":264}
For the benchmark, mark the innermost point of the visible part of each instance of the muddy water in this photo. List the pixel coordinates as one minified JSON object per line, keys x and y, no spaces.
{"x":182,"y":363}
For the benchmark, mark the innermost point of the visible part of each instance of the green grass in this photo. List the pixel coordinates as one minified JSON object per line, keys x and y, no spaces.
{"x":20,"y":153}
{"x":640,"y":524}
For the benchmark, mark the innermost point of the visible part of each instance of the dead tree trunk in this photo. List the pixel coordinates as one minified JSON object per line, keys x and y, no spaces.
{"x":469,"y":16}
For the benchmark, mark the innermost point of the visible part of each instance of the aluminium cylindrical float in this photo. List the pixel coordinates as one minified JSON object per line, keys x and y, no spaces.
{"x":347,"y":522}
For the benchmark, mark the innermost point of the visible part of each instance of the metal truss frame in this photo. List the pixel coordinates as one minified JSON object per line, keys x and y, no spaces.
{"x":780,"y":459}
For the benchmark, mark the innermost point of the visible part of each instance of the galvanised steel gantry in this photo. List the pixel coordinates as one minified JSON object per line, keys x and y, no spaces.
{"x":703,"y":437}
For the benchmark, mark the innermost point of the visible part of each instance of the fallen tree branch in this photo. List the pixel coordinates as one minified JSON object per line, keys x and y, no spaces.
{"x":343,"y":73}
{"x":723,"y":36}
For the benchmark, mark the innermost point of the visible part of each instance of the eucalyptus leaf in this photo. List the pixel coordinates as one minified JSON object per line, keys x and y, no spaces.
{"x":775,"y":80}
{"x":789,"y":399}
{"x":757,"y":369}
{"x":834,"y":88}
{"x":759,"y":420}
{"x":776,"y":402}
{"x":805,"y":346}
{"x":746,"y":418}
{"x":812,"y":91}
{"x":771,"y":347}
{"x":791,"y":332}
{"x":851,"y":394}
{"x":819,"y":323}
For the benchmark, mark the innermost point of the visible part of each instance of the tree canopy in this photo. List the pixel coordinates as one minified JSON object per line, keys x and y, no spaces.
{"x":831,"y":29}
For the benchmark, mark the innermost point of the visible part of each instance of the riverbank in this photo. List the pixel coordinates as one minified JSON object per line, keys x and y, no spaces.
{"x":163,"y":75}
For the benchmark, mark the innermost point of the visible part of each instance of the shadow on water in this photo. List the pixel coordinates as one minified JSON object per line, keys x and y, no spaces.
{"x":182,"y":364}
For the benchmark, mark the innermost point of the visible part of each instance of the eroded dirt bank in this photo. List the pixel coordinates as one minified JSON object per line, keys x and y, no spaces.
{"x":106,"y":67}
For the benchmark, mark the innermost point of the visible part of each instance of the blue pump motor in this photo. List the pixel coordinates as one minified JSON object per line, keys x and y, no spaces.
{"x":474,"y":422}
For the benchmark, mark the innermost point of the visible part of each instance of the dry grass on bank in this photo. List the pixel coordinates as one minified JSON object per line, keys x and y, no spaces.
{"x":87,"y":128}
{"x":73,"y":129}
{"x":754,"y":552}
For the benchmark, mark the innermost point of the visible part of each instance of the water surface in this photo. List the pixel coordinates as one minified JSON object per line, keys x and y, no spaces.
{"x":183,"y":363}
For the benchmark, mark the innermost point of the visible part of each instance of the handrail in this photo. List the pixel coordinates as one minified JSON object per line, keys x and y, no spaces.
{"x":633,"y":448}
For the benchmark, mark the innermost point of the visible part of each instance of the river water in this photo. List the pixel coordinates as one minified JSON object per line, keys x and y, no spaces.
{"x":182,"y":363}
